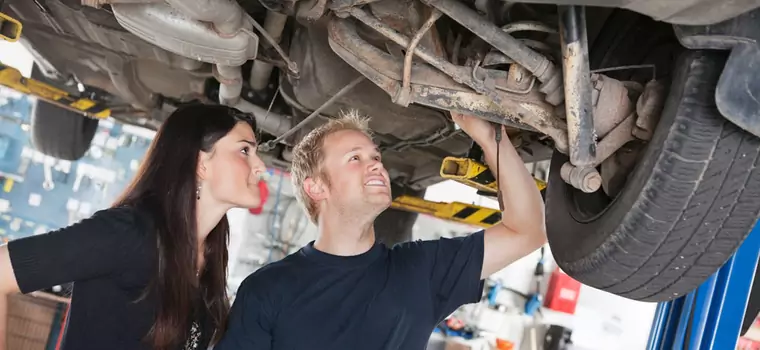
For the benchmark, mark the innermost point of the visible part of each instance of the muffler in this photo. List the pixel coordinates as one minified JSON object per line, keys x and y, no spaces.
{"x":172,"y":30}
{"x":213,"y":31}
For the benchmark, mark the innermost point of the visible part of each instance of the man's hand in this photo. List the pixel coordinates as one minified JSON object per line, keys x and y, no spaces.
{"x":480,"y":130}
{"x":522,"y":229}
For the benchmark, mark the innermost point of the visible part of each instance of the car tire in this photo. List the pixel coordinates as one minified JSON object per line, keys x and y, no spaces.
{"x":61,"y":133}
{"x":689,"y":203}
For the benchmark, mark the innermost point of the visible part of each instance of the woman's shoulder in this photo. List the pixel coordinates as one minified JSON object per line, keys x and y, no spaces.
{"x":124,"y":218}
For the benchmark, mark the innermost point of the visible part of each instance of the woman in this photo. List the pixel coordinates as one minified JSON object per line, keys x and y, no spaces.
{"x":150,"y":272}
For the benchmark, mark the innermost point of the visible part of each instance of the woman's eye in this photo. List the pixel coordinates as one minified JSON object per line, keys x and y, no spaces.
{"x":354,"y":158}
{"x":245,"y":150}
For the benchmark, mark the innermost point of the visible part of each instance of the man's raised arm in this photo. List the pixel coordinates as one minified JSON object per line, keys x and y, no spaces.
{"x":522,"y":229}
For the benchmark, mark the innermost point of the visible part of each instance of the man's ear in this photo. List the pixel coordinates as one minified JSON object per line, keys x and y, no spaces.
{"x":315,"y":189}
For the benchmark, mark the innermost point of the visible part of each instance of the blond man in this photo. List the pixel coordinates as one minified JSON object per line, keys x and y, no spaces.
{"x":346,"y":291}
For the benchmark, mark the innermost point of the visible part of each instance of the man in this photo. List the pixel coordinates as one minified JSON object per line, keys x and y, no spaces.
{"x":344,"y":290}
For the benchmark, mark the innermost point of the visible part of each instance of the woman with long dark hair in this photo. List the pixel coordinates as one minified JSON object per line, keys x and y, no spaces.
{"x":151,"y":271}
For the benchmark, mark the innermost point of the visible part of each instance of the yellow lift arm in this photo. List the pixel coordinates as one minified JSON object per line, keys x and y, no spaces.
{"x":474,"y":174}
{"x":455,"y":211}
{"x":469,"y":172}
{"x":10,"y":28}
{"x":10,"y":77}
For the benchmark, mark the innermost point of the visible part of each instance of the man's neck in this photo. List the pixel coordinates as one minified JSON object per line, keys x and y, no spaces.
{"x":345,"y":235}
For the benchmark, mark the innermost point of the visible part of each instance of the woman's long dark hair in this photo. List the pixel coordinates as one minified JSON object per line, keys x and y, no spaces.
{"x":165,"y":186}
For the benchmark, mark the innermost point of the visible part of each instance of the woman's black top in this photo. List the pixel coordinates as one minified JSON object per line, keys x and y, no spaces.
{"x":111,"y":258}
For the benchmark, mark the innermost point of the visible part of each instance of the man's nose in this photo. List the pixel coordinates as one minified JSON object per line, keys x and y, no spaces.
{"x":376,"y":165}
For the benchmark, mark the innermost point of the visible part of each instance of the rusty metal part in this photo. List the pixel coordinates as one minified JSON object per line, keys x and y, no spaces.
{"x":533,"y":26}
{"x":611,"y":103}
{"x":460,"y":74}
{"x":403,"y":96}
{"x":585,"y":179}
{"x":515,"y":49}
{"x":100,"y":3}
{"x":648,"y":107}
{"x":311,"y":10}
{"x":434,"y":89}
{"x":578,"y":108}
{"x":617,"y":137}
{"x":519,"y":80}
{"x":339,"y":5}
{"x":495,"y":57}
{"x":615,"y":160}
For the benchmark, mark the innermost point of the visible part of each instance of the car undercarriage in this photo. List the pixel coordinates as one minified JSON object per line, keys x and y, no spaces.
{"x":590,"y":88}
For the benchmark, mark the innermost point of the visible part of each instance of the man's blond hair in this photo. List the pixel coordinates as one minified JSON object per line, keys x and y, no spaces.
{"x":308,"y":155}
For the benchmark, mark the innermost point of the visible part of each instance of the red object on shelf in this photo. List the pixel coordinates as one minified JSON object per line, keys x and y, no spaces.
{"x":562,"y":292}
{"x":264,"y":193}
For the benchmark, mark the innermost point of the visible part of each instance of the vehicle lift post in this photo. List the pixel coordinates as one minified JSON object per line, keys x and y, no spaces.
{"x":711,"y":316}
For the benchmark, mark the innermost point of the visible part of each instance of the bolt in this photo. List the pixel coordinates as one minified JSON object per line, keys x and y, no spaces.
{"x":585,"y":179}
{"x":592,"y":181}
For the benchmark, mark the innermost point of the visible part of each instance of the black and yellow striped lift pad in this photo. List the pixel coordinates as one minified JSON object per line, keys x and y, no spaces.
{"x":10,"y":77}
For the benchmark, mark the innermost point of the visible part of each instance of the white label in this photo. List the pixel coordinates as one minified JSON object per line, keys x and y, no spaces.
{"x":35,"y":199}
{"x":567,"y":294}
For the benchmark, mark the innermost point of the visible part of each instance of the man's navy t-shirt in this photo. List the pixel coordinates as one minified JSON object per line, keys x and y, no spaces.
{"x":381,"y":299}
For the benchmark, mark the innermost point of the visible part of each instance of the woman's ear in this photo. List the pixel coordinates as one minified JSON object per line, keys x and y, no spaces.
{"x":315,"y":189}
{"x":202,"y":170}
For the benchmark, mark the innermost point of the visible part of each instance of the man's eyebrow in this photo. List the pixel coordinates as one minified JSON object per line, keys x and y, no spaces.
{"x":359,"y":148}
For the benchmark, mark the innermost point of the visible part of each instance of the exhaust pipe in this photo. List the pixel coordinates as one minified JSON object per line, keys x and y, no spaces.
{"x":261,"y":71}
{"x":228,"y":43}
{"x":271,"y":122}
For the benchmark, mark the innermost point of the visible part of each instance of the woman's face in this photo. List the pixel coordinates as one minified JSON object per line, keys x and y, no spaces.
{"x":231,"y":171}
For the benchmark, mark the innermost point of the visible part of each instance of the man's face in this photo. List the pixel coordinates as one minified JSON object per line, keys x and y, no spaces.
{"x":358,"y":182}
